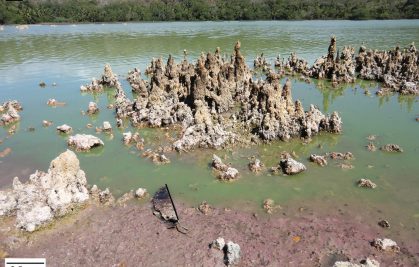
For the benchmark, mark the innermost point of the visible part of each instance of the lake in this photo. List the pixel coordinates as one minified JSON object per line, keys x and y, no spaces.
{"x":70,"y":55}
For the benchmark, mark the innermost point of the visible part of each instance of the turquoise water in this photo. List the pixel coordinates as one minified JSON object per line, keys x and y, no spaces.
{"x":71,"y":54}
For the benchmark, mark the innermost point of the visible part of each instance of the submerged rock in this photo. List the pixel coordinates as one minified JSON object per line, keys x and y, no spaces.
{"x":320,"y":160}
{"x":366,"y":183}
{"x":291,"y":167}
{"x":46,"y":123}
{"x":341,"y":156}
{"x":10,"y":109}
{"x":225,"y":172}
{"x":255,"y":165}
{"x":391,"y":148}
{"x":371,"y":147}
{"x":385,"y":245}
{"x":46,"y":195}
{"x":64,"y":128}
{"x":107,"y":127}
{"x":84,"y":142}
{"x":92,"y":108}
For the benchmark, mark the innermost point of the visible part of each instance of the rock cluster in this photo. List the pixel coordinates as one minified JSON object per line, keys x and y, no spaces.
{"x":225,"y":172}
{"x":46,"y":195}
{"x":396,"y":68}
{"x":217,"y":103}
{"x":255,"y":165}
{"x":10,"y":110}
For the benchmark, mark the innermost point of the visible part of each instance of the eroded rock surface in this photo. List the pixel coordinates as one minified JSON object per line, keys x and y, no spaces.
{"x":46,"y":195}
{"x":225,"y":172}
{"x":291,"y":167}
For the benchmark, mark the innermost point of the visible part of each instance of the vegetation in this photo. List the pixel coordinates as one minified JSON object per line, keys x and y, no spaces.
{"x":30,"y":11}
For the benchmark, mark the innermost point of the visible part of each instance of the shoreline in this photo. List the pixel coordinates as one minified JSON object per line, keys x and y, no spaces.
{"x":129,"y":234}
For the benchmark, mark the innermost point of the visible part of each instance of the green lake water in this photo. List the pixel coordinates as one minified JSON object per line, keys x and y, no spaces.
{"x":71,"y":55}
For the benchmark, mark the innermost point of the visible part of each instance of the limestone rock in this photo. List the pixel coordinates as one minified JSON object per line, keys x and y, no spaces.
{"x":92,"y":108}
{"x":320,"y":160}
{"x":46,"y":195}
{"x":391,"y":148}
{"x":232,"y":251}
{"x":64,"y":128}
{"x":218,"y":243}
{"x":385,"y":245}
{"x":140,"y":193}
{"x":84,"y":142}
{"x":290,"y":166}
{"x":366,"y":183}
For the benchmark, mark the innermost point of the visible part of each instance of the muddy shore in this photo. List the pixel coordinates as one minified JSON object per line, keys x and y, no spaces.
{"x":130,"y":235}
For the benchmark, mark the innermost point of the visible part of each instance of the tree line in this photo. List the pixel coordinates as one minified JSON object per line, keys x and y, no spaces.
{"x":70,"y":11}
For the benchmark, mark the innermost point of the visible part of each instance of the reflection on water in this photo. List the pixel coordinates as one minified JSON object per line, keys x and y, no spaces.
{"x":71,"y":55}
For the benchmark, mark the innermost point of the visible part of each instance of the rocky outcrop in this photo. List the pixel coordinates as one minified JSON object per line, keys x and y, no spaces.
{"x":10,"y":110}
{"x":224,"y":172}
{"x":391,"y":148}
{"x":46,"y":195}
{"x":108,"y":79}
{"x":385,"y":245}
{"x":84,"y":142}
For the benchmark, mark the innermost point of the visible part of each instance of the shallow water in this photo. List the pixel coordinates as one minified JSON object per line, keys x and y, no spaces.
{"x":71,"y":54}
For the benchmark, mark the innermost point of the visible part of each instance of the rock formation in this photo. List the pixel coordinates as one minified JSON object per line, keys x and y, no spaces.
{"x":366,"y":183}
{"x":385,"y":245}
{"x":290,"y":166}
{"x":204,"y":97}
{"x":46,"y":195}
{"x":10,"y":110}
{"x":396,"y":68}
{"x":391,"y":148}
{"x":64,"y":128}
{"x":108,"y":79}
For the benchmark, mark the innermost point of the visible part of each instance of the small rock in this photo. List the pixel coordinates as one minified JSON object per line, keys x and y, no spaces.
{"x":391,"y":148}
{"x":366,"y":183}
{"x":346,"y":166}
{"x":225,"y":172}
{"x":371,"y":137}
{"x":320,"y":160}
{"x":140,"y":193}
{"x":232,"y":253}
{"x":384,"y":224}
{"x":84,"y":142}
{"x":64,"y":128}
{"x":89,"y":125}
{"x":364,"y":263}
{"x":371,"y":147}
{"x":107,"y":126}
{"x":106,"y":197}
{"x":46,"y":123}
{"x":290,"y":166}
{"x":218,"y":243}
{"x":268,"y":205}
{"x":92,"y":108}
{"x":125,"y":197}
{"x":42,"y":84}
{"x":341,"y":156}
{"x":204,"y":208}
{"x":51,"y":102}
{"x":385,"y":245}
{"x":255,"y":165}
